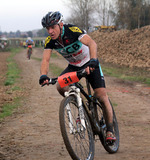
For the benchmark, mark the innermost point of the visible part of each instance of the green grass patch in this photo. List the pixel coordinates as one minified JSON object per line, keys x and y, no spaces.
{"x":13,"y":89}
{"x":16,"y":88}
{"x":8,"y":108}
{"x":13,"y":70}
{"x":55,"y":69}
{"x":125,"y":73}
{"x":12,"y":74}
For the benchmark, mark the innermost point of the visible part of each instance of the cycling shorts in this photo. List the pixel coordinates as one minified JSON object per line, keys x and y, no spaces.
{"x":96,"y":78}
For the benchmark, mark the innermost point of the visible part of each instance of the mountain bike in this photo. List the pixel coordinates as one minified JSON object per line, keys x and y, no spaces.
{"x":81,"y":118}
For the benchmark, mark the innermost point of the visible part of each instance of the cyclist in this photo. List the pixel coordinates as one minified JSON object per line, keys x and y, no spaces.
{"x":77,"y":47}
{"x":29,"y":44}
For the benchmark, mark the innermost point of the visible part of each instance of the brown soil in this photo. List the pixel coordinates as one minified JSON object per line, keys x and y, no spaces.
{"x":33,"y":133}
{"x":3,"y":68}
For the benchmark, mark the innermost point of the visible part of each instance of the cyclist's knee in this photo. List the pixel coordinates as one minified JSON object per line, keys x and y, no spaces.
{"x":61,"y":90}
{"x":101,"y":94}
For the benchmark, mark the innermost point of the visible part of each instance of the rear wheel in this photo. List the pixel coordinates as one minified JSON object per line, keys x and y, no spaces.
{"x":111,"y":147}
{"x":79,"y":141}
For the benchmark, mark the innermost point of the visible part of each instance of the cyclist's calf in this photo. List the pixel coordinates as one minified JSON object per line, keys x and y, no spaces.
{"x":101,"y":95}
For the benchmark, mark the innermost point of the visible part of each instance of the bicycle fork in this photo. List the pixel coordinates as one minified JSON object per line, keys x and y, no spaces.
{"x":76,"y":92}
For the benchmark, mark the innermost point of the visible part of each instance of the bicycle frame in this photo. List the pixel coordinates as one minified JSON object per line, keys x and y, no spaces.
{"x":90,"y":107}
{"x":71,"y":79}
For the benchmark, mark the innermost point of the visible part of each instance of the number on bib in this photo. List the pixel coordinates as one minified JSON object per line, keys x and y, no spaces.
{"x":67,"y":79}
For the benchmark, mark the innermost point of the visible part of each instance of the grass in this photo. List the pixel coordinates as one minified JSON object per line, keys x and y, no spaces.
{"x":55,"y":69}
{"x":8,"y":108}
{"x":125,"y":73}
{"x":13,"y":70}
{"x":15,"y":88}
{"x":11,"y":76}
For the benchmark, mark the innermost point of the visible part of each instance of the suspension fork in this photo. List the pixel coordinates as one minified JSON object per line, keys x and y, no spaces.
{"x":70,"y":119}
{"x":76,"y":92}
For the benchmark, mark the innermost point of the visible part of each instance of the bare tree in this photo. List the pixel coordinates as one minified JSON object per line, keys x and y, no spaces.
{"x":101,"y":11}
{"x":105,"y":12}
{"x":127,"y":14}
{"x":81,"y":12}
{"x":133,"y":13}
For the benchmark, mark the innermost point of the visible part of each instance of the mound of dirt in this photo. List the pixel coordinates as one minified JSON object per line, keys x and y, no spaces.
{"x":124,"y":47}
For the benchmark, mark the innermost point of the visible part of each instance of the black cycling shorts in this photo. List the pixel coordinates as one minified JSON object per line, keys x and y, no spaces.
{"x":96,"y":78}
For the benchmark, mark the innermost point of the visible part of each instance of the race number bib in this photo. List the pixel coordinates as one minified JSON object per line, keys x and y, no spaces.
{"x":67,"y":79}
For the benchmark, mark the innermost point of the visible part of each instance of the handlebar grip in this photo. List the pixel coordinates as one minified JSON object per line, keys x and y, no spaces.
{"x":81,"y":73}
{"x":51,"y":81}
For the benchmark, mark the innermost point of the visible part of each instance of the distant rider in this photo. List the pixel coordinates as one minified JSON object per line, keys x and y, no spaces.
{"x":29,"y":44}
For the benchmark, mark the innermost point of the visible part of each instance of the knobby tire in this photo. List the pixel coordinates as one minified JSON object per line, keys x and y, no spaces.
{"x":113,"y":148}
{"x":80,"y":145}
{"x":29,"y":53}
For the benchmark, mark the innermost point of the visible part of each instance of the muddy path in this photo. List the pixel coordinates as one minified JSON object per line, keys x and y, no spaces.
{"x":32,"y":132}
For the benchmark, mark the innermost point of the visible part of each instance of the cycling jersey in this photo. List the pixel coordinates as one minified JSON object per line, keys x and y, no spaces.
{"x":76,"y":53}
{"x":29,"y":42}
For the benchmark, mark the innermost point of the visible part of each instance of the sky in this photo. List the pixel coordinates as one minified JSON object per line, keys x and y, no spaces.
{"x":26,"y":15}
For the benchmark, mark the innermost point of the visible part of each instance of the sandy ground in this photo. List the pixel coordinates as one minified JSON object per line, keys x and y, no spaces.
{"x":33,"y":133}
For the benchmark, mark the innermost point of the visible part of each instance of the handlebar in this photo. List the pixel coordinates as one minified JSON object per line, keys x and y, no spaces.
{"x":75,"y":77}
{"x":68,"y":78}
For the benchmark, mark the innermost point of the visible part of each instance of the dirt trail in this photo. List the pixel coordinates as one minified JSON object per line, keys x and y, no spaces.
{"x":33,"y":132}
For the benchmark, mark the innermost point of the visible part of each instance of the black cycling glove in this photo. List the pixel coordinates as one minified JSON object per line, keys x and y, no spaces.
{"x":43,"y":78}
{"x":93,"y":63}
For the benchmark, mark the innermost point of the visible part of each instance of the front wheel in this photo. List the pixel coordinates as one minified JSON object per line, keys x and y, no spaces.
{"x":79,"y":140}
{"x":29,"y":53}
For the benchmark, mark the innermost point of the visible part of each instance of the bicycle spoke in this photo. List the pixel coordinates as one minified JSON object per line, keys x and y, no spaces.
{"x":82,"y":147}
{"x":84,"y":144}
{"x":80,"y":139}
